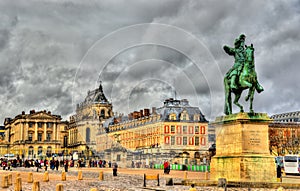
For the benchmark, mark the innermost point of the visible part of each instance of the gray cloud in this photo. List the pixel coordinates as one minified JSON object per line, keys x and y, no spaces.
{"x":53,"y":52}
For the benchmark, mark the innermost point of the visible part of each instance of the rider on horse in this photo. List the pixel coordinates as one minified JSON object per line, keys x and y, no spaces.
{"x":239,"y":54}
{"x":241,"y":76}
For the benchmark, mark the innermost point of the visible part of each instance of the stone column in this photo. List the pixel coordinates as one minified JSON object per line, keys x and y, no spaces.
{"x":22,"y":132}
{"x":35,"y":132}
{"x":69,"y":137}
{"x":54,"y":131}
{"x":26,"y":130}
{"x":45,"y":131}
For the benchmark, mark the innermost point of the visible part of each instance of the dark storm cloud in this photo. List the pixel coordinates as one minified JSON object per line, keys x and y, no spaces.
{"x":53,"y":52}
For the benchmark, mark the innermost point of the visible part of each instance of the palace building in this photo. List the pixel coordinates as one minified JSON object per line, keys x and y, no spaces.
{"x":89,"y":117}
{"x":176,"y":131}
{"x":35,"y":134}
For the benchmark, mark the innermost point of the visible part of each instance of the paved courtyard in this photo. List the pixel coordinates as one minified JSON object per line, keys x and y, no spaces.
{"x":127,"y":180}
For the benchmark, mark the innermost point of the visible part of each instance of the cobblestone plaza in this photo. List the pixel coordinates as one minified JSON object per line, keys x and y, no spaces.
{"x":127,"y":180}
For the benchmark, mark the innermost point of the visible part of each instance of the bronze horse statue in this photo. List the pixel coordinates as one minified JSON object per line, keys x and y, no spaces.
{"x":247,"y":80}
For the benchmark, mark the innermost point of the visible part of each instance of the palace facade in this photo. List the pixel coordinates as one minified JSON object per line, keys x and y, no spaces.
{"x":35,"y":134}
{"x":89,"y":117}
{"x":176,"y":131}
{"x":284,"y":133}
{"x":284,"y":138}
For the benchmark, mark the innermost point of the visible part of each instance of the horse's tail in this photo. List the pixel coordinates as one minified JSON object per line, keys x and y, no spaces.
{"x":258,"y":87}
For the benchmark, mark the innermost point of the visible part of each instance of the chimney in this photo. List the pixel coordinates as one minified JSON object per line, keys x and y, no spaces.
{"x":49,"y":112}
{"x":153,"y":110}
{"x":136,"y":114}
{"x":23,"y":112}
{"x":146,"y":112}
{"x":141,"y":113}
{"x":130,"y":116}
{"x":116,"y":121}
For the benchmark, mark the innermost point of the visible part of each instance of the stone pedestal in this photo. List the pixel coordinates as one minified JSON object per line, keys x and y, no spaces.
{"x":242,"y":152}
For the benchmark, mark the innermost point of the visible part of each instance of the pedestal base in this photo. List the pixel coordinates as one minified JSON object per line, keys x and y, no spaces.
{"x":242,"y":152}
{"x":244,"y":168}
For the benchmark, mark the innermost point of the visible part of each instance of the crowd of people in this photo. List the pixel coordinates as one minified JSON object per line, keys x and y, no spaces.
{"x":53,"y":163}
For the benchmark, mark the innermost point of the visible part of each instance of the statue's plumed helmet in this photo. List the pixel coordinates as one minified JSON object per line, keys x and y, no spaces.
{"x":242,"y":36}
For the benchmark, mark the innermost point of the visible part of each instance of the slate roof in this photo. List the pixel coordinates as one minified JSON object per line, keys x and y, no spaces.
{"x":170,"y":106}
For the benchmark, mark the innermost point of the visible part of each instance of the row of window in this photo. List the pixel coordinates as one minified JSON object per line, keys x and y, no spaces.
{"x":40,"y":124}
{"x":174,"y":140}
{"x":40,"y":136}
{"x":184,"y":116}
{"x":185,"y":129}
{"x":39,"y":151}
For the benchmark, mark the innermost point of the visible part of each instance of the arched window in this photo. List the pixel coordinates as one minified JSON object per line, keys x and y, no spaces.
{"x":30,"y":151}
{"x":40,"y":150}
{"x":88,"y":135}
{"x":102,"y":113}
{"x":49,"y":151}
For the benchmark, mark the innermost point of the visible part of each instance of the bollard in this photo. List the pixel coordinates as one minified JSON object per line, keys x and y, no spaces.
{"x":280,"y":188}
{"x":94,"y":189}
{"x":222,"y":182}
{"x":101,"y":175}
{"x":80,"y":175}
{"x":30,"y":177}
{"x":36,"y":186}
{"x":46,"y":177}
{"x":5,"y":181}
{"x":18,"y":185}
{"x":206,"y":176}
{"x":185,"y":175}
{"x":59,"y":187}
{"x":9,"y":179}
{"x":169,"y":182}
{"x":63,"y":176}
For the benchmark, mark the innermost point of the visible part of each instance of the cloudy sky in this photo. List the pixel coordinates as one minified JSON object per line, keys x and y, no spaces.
{"x":53,"y":52}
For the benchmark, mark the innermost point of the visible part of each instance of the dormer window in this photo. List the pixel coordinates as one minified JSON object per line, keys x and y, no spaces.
{"x":184,"y":116}
{"x":172,"y":117}
{"x":196,"y":117}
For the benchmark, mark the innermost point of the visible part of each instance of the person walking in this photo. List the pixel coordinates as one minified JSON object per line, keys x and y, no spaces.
{"x":279,"y":177}
{"x":192,"y":188}
{"x":56,"y":164}
{"x":46,"y":164}
{"x":66,"y":165}
{"x":115,"y":169}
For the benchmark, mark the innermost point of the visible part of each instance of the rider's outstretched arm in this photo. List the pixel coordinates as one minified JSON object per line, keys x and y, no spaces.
{"x":229,"y":50}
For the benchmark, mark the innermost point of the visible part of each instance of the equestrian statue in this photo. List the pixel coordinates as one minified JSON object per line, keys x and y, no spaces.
{"x":241,"y":76}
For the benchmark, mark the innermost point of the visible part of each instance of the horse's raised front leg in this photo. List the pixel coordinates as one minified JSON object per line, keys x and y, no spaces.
{"x":236,"y":100}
